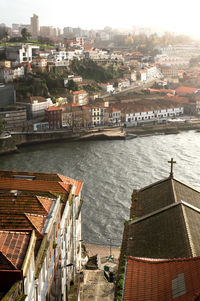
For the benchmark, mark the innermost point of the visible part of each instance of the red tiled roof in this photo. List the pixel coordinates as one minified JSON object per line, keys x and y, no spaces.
{"x":162,"y":90}
{"x":22,"y":221}
{"x":47,"y":182}
{"x":54,"y":108}
{"x":46,"y":203}
{"x":79,"y":92}
{"x":35,"y":185}
{"x":37,"y":221}
{"x":185,"y":90}
{"x":88,"y":48}
{"x":78,"y":184}
{"x":13,"y":247}
{"x":74,"y":105}
{"x":146,"y":105}
{"x":23,"y":203}
{"x":149,"y":279}
{"x":178,"y":99}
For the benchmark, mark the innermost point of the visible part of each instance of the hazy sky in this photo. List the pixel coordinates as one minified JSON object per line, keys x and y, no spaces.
{"x":174,"y":15}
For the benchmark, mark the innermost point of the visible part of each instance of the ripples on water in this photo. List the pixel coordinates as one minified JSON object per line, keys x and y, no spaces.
{"x":110,"y":171}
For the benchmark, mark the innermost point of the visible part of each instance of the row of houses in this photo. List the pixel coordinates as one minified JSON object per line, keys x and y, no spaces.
{"x":40,"y":235}
{"x":70,"y":115}
{"x":46,"y":59}
{"x":75,"y":110}
{"x":38,"y":110}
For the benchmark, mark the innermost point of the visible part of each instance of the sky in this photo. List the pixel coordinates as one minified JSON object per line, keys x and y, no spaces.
{"x":179,"y":16}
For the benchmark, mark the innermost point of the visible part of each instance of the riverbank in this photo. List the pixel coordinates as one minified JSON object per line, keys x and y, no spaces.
{"x":19,"y":139}
{"x":164,"y":128}
{"x":103,"y":251}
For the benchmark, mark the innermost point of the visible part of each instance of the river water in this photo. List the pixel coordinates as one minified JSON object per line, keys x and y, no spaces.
{"x":110,"y":171}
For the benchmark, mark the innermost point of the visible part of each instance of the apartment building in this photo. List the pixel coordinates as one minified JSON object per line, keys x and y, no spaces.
{"x":49,"y":205}
{"x":97,"y":114}
{"x":35,"y":27}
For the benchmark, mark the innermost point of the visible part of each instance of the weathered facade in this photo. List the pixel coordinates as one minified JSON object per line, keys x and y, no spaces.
{"x":50,"y":205}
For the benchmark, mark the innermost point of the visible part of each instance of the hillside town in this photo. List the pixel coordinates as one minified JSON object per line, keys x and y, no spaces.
{"x":56,"y":81}
{"x":74,"y":84}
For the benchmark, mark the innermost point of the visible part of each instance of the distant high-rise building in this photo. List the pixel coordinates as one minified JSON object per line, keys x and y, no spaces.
{"x":17,"y":28}
{"x":49,"y":31}
{"x":77,"y":32}
{"x":35,"y":26}
{"x":66,"y":30}
{"x":46,"y":31}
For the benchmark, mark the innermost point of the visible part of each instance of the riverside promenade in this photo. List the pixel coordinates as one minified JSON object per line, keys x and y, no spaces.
{"x":103,"y":251}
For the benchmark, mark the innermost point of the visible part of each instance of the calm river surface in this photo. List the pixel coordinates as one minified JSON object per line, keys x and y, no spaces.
{"x":110,"y":171}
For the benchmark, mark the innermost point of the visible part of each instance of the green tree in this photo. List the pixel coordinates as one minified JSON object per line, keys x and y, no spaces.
{"x":25,"y":34}
{"x":71,"y":85}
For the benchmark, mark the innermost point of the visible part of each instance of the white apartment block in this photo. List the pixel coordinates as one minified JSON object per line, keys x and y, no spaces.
{"x":38,"y":106}
{"x":181,"y":51}
{"x":26,"y":53}
{"x":153,"y":72}
{"x":107,"y":87}
{"x":97,"y":116}
{"x":153,"y":115}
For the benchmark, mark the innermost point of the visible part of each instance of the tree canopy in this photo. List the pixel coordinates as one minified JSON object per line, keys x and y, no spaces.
{"x":71,"y":85}
{"x":25,"y":34}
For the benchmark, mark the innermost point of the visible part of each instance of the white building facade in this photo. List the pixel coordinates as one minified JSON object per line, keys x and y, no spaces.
{"x":153,"y":115}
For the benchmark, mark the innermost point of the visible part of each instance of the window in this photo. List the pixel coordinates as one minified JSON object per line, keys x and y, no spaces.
{"x":178,"y":286}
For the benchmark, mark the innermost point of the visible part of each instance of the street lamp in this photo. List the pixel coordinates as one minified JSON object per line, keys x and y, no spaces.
{"x":110,"y":257}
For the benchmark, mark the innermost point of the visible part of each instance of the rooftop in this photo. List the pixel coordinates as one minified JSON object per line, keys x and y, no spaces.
{"x":13,"y":247}
{"x":175,"y":279}
{"x":13,"y":220}
{"x":185,"y":90}
{"x":54,"y":108}
{"x":171,"y":209}
{"x":35,"y":181}
{"x":23,"y":203}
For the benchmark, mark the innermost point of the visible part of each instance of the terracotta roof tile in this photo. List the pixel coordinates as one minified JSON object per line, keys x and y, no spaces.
{"x":13,"y":247}
{"x":79,"y":184}
{"x":43,"y":181}
{"x":22,"y":221}
{"x":36,"y":185}
{"x":146,"y":105}
{"x":37,"y":221}
{"x":185,"y":90}
{"x":148,"y":279}
{"x":46,"y":203}
{"x":79,"y":92}
{"x":178,"y":99}
{"x":23,"y":203}
{"x":54,"y":108}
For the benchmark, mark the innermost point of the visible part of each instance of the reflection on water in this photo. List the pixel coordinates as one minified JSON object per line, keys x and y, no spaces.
{"x":110,"y":171}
